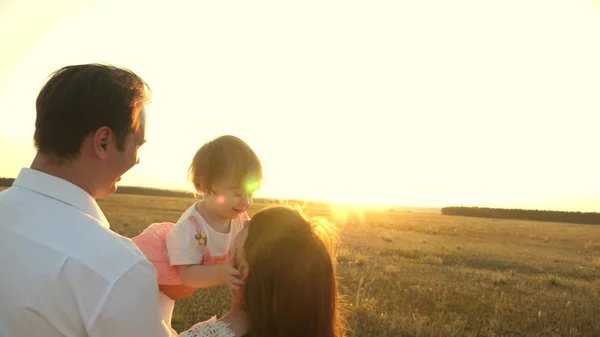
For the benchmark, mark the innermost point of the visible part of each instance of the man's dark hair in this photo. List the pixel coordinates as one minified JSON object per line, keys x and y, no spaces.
{"x":79,"y":99}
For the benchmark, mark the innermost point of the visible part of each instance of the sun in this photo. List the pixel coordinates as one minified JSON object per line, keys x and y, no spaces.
{"x":346,"y":213}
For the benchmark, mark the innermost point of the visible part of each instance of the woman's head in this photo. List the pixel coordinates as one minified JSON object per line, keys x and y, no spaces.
{"x":291,"y":288}
{"x":227,"y":172}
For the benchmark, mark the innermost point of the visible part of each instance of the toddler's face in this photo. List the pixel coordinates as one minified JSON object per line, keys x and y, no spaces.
{"x":230,"y":200}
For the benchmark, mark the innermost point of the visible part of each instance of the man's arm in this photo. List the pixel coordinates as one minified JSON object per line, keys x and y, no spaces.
{"x":132,"y":307}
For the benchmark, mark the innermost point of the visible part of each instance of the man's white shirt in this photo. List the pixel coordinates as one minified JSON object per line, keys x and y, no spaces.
{"x":64,"y":272}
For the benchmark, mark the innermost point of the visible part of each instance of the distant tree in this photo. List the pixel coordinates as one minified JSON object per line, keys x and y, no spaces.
{"x":589,"y":218}
{"x":6,"y":182}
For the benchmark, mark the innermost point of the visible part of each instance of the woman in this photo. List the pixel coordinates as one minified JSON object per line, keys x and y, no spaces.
{"x":290,"y":289}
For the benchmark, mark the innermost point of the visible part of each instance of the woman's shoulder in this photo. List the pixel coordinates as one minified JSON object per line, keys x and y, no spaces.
{"x":209,"y":328}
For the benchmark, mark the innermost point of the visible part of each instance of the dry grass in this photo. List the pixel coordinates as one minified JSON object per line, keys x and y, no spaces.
{"x":407,"y":274}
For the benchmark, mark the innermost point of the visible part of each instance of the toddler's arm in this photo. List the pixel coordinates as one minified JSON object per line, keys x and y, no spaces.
{"x":185,"y":253}
{"x":199,"y":276}
{"x":176,"y":291}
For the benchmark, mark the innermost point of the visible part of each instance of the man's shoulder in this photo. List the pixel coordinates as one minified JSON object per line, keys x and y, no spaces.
{"x":102,"y":250}
{"x":107,"y":252}
{"x":6,"y":191}
{"x":72,"y":233}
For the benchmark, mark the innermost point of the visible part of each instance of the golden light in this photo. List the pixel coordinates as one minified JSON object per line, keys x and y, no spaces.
{"x":344,"y":213}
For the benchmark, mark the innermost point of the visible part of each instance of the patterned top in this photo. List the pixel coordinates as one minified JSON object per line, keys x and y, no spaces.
{"x":209,"y":328}
{"x":193,"y":241}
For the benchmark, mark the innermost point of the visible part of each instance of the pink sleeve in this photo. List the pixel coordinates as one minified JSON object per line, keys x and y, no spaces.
{"x":152,"y":241}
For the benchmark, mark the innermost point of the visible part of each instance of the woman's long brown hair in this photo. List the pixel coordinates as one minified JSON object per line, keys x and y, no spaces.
{"x":291,"y":289}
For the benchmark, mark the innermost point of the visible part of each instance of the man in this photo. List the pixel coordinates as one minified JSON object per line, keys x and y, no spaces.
{"x":64,"y":272}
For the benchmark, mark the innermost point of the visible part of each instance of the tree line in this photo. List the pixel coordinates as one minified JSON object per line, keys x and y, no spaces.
{"x":150,"y":191}
{"x":6,"y":182}
{"x":587,"y":218}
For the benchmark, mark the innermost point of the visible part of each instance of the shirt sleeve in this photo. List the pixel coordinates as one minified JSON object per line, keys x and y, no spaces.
{"x":132,"y":307}
{"x":182,"y":245}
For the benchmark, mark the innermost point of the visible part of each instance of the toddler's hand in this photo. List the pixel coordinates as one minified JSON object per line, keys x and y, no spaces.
{"x":239,"y":262}
{"x":230,"y":276}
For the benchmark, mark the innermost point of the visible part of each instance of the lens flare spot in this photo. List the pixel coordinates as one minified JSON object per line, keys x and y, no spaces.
{"x":220,"y":199}
{"x":251,"y":185}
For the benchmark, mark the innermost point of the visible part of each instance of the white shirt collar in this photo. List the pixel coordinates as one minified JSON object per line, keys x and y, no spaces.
{"x":61,"y":190}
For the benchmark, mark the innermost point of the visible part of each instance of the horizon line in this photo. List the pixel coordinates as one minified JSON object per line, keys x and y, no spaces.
{"x":190,"y":193}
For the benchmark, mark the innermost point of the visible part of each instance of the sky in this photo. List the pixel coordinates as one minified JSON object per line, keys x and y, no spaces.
{"x":420,"y":103}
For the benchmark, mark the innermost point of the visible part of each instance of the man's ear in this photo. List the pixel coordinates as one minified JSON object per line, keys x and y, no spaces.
{"x":101,"y":141}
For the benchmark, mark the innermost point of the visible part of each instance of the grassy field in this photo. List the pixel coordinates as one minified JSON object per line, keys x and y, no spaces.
{"x":404,"y":274}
